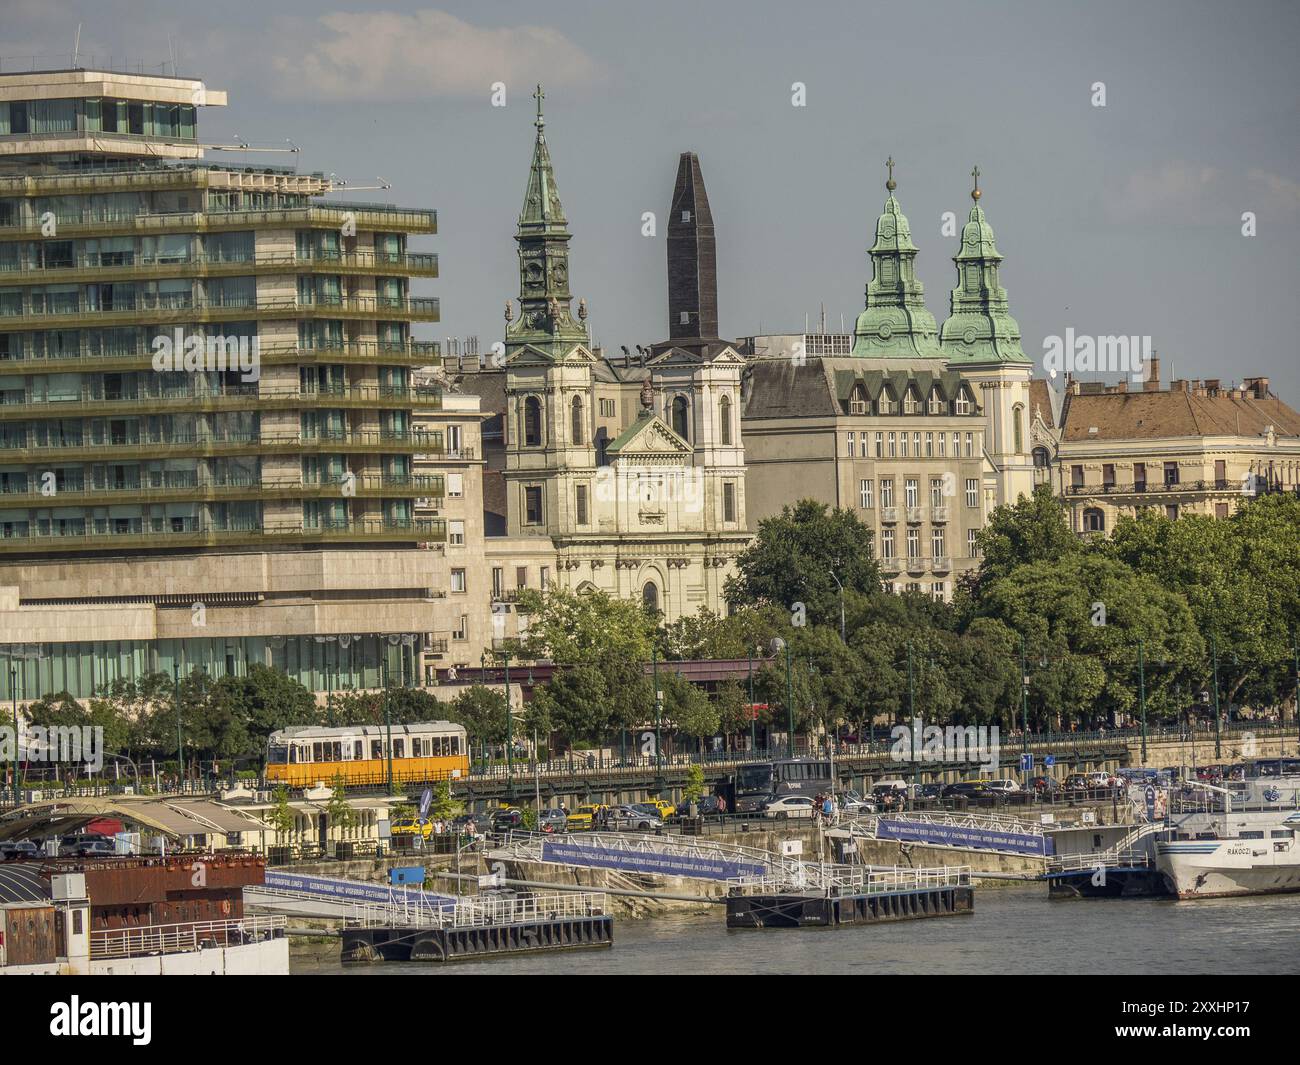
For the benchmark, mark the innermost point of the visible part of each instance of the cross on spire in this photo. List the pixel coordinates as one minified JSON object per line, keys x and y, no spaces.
{"x":975,"y":192}
{"x":539,"y":96}
{"x":891,"y":184}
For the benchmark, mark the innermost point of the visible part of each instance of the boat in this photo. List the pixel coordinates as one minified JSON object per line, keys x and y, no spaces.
{"x":1244,"y":841}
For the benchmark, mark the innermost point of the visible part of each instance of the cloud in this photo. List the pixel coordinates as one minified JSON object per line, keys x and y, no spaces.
{"x":1191,"y":194}
{"x":1280,"y":195}
{"x":392,"y":57}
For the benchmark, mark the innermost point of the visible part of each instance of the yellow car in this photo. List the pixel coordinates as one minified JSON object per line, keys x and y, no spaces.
{"x":584,"y":816}
{"x":409,"y":826}
{"x":665,"y":808}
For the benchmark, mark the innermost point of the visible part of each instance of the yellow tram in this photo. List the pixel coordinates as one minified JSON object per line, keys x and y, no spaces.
{"x":431,"y":751}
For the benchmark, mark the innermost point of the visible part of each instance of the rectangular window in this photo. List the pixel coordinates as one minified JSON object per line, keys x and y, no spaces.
{"x":521,"y":576}
{"x":728,"y":500}
{"x":546,"y":578}
{"x":864,"y":494}
{"x":942,"y":449}
{"x":580,"y":500}
{"x":970,"y":445}
{"x":461,"y":632}
{"x":456,"y":533}
{"x":1139,"y":476}
{"x":903,"y":449}
{"x":912,"y":492}
{"x":887,"y":492}
{"x":458,"y":580}
{"x":886,"y":543}
{"x":929,"y":445}
{"x":498,"y":581}
{"x":893,"y":446}
{"x":936,"y":491}
{"x":1076,"y":476}
{"x":972,"y":492}
{"x":913,"y":542}
{"x":533,"y":505}
{"x":1220,"y":510}
{"x":1108,"y":474}
{"x":455,"y":485}
{"x":880,"y":445}
{"x":1171,"y":473}
{"x":938,"y":544}
{"x":851,"y":442}
{"x":972,"y":545}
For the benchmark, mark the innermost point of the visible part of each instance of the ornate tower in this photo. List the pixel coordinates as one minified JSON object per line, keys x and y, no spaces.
{"x":896,"y":323}
{"x":980,"y":328}
{"x":692,"y":259}
{"x":545,"y":317}
{"x":982,"y":340}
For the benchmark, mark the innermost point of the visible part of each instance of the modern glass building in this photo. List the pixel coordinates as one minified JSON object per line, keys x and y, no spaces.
{"x":206,"y":400}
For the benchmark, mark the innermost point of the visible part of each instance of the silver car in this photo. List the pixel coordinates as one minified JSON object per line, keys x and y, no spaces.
{"x":637,"y":818}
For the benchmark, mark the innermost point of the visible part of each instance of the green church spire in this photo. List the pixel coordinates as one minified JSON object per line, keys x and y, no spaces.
{"x":980,"y":328}
{"x":545,"y":319}
{"x":896,"y":323}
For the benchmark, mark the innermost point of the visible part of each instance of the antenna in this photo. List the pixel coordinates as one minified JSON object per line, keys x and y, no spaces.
{"x":76,"y":47}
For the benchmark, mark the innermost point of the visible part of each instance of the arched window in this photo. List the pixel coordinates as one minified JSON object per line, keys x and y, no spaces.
{"x":724,"y":420}
{"x":650,"y":595}
{"x":532,"y":422}
{"x":681,"y":417}
{"x":575,"y":427}
{"x":1018,"y":426}
{"x":1094,"y":520}
{"x":1041,"y":458}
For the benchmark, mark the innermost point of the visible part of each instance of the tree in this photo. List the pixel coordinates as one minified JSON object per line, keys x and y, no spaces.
{"x":338,"y":809}
{"x":281,"y":816}
{"x":572,"y":629}
{"x":1030,"y":530}
{"x":796,"y":557}
{"x":443,"y":807}
{"x":693,"y":789}
{"x":690,"y":710}
{"x":482,"y":710}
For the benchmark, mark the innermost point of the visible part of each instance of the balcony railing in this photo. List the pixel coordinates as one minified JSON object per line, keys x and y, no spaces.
{"x":135,"y":265}
{"x":915,"y":515}
{"x":424,"y":351}
{"x":121,"y":534}
{"x":134,"y":305}
{"x":1152,"y":487}
{"x":380,"y":216}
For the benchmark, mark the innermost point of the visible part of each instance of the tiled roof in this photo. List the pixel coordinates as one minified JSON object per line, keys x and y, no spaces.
{"x":1154,"y":415}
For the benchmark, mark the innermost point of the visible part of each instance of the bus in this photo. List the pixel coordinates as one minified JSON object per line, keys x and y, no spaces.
{"x":758,"y":782}
{"x":421,"y":753}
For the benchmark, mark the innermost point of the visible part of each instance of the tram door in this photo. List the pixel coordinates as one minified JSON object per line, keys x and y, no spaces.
{"x":324,"y":829}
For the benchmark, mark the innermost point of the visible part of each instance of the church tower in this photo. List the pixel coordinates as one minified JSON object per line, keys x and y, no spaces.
{"x":982,"y":340}
{"x":895,"y":323}
{"x":692,"y":260}
{"x":549,"y":422}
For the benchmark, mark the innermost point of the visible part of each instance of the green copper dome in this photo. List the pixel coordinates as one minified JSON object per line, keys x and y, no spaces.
{"x":980,"y":328}
{"x":896,"y":323}
{"x":545,"y":318}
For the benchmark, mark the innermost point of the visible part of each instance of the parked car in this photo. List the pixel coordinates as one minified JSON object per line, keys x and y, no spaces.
{"x":931,"y":791}
{"x":507,"y":819}
{"x":1043,"y":785}
{"x":665,"y":808}
{"x":1077,"y":782}
{"x":87,"y":847}
{"x":853,"y":803}
{"x":552,"y":820}
{"x":18,"y":848}
{"x":585,"y":816}
{"x":786,"y":806}
{"x":410,"y":826}
{"x":1002,"y":784}
{"x":965,"y":789}
{"x":640,"y":818}
{"x":705,"y":804}
{"x":1100,"y":781}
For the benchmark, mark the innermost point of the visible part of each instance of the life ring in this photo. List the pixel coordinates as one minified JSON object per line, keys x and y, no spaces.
{"x":225,"y":906}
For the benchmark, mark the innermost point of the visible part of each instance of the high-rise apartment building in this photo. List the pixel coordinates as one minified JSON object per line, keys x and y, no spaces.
{"x":207,"y":402}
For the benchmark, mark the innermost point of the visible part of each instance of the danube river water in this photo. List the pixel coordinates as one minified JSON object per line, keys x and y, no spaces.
{"x":1013,"y":930}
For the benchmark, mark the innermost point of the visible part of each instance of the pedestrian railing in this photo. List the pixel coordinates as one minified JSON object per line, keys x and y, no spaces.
{"x":175,"y":938}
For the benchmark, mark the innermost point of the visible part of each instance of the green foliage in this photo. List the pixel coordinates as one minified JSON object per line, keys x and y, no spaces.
{"x":443,"y":807}
{"x":793,"y":557}
{"x":482,"y":711}
{"x":1030,"y":530}
{"x":693,"y":790}
{"x":281,"y":816}
{"x":340,"y":811}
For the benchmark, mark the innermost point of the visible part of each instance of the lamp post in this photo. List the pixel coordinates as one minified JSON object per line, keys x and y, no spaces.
{"x":911,"y":718}
{"x":180,"y":743}
{"x":1024,"y":709}
{"x":753,"y":725}
{"x":778,"y":645}
{"x":13,"y":689}
{"x":388,"y":723}
{"x":1295,"y":655}
{"x":509,"y":731}
{"x":1214,"y":654}
{"x":659,"y":705}
{"x":1142,"y":697}
{"x":840,"y":586}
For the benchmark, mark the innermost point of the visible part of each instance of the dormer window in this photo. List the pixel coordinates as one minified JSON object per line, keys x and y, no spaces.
{"x":858,"y":400}
{"x":963,"y":404}
{"x":886,"y":401}
{"x":937,"y":403}
{"x":911,"y":402}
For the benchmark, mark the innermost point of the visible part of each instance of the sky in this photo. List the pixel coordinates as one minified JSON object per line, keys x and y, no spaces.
{"x":1122,"y":219}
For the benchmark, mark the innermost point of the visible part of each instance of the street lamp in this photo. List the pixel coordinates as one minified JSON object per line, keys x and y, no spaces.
{"x":841,"y":588}
{"x":778,"y":645}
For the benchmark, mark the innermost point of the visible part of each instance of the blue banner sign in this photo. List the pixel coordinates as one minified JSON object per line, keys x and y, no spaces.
{"x":989,"y":839}
{"x":351,"y":890}
{"x":598,"y":855}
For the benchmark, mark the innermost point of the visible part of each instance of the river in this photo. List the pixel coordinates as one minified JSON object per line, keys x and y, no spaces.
{"x":1013,"y":930}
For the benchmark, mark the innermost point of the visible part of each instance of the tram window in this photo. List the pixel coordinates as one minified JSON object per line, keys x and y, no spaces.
{"x":416,"y":746}
{"x":399,"y":748}
{"x":358,"y":750}
{"x":1281,"y":834}
{"x":1251,"y":835}
{"x":293,"y":755}
{"x":337,"y":751}
{"x":277,"y":755}
{"x":316,"y":752}
{"x":455,"y":745}
{"x":376,"y":748}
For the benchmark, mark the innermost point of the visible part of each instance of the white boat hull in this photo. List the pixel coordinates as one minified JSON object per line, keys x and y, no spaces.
{"x":1205,"y":869}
